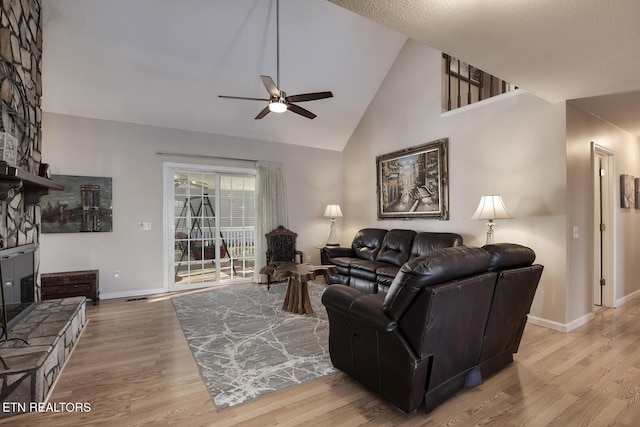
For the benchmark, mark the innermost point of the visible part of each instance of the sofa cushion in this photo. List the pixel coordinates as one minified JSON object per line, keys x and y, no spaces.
{"x":385,"y":276}
{"x":509,"y":255}
{"x":361,"y":265}
{"x":426,"y":242}
{"x":362,"y":269}
{"x":363,"y":285}
{"x":343,"y":261}
{"x":367,"y":242}
{"x":396,"y":247}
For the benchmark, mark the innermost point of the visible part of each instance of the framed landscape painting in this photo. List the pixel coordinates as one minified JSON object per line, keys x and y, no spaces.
{"x":414,"y":182}
{"x":85,"y":205}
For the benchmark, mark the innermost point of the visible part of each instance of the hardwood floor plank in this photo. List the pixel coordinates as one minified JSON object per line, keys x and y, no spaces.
{"x":133,"y":365}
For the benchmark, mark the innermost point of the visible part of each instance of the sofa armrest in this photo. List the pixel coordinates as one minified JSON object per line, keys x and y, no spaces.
{"x":339,"y":298}
{"x":337,"y":251}
{"x":367,"y":310}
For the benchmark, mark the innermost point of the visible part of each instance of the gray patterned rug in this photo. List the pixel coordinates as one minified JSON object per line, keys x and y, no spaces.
{"x":247,"y":347}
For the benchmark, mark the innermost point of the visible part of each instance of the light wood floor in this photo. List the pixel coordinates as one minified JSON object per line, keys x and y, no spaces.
{"x":134,"y":367}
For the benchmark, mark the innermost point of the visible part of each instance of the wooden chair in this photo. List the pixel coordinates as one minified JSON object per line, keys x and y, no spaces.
{"x":281,"y":249}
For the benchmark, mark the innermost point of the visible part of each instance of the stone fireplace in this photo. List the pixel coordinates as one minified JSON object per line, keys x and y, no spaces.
{"x":20,"y":114}
{"x":28,"y":371}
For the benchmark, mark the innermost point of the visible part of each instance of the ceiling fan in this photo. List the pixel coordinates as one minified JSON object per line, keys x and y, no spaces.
{"x":279,"y":101}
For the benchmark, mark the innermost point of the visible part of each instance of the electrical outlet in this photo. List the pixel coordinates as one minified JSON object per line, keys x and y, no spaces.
{"x":576,"y":232}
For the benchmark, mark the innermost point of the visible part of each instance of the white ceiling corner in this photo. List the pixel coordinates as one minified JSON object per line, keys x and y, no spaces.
{"x":584,"y":50}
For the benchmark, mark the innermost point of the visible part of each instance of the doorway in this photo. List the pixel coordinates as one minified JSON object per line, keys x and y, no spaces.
{"x":210,"y":232}
{"x":603,"y":283}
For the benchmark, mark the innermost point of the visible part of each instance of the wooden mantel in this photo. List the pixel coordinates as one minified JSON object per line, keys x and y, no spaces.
{"x":35,"y":186}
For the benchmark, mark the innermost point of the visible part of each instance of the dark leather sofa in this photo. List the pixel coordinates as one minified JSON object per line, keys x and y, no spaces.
{"x":376,"y":255}
{"x":451,"y":318}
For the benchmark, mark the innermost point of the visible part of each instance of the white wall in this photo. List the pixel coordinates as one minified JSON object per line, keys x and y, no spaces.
{"x":515,"y":146}
{"x":126,"y":152}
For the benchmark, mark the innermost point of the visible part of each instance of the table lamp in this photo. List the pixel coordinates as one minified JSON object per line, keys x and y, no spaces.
{"x":490,"y":208}
{"x":333,"y":212}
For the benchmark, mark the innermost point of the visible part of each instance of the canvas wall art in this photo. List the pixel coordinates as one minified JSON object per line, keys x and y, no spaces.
{"x":85,"y":205}
{"x":627,"y":191}
{"x":413,"y":183}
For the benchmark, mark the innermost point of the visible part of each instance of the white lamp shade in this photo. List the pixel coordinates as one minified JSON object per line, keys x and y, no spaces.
{"x":333,"y":211}
{"x":491,"y":207}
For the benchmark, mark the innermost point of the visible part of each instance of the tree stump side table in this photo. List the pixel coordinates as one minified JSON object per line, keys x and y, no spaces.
{"x":296,"y":299}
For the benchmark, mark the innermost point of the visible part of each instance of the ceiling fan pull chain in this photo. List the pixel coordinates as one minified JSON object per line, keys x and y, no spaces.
{"x":278,"y":44}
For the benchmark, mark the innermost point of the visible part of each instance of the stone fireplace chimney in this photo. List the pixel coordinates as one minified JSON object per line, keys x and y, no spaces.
{"x":21,"y":114}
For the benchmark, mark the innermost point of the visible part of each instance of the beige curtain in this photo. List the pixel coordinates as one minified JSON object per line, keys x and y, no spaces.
{"x":271,"y":208}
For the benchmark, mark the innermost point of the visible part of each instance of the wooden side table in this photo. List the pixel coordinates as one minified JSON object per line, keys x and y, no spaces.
{"x":296,"y":299}
{"x":71,"y":284}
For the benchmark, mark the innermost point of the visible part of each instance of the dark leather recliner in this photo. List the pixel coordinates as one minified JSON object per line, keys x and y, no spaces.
{"x":365,"y":246}
{"x":393,"y":252}
{"x":424,"y":336}
{"x":376,"y":255}
{"x":515,"y":288}
{"x":451,"y":318}
{"x":422,"y":244}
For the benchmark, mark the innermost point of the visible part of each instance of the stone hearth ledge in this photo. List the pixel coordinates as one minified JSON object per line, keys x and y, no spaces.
{"x":52,"y":330}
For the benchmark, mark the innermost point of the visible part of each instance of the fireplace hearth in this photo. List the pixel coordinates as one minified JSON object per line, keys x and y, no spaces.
{"x":52,"y":329}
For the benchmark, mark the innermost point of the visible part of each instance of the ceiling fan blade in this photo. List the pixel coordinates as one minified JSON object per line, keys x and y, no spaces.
{"x":309,"y":96}
{"x":242,"y":97}
{"x":263,"y":113}
{"x":299,"y":110}
{"x":270,"y":86}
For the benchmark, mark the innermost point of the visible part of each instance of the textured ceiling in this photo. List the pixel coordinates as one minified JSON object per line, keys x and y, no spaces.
{"x":557,"y":50}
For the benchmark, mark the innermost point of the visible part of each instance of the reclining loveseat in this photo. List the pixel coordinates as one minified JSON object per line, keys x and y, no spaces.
{"x":450,"y":319}
{"x":376,"y":255}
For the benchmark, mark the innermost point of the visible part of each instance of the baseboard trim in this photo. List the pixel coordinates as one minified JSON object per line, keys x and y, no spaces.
{"x":134,"y":293}
{"x":625,"y":299}
{"x":562,"y":327}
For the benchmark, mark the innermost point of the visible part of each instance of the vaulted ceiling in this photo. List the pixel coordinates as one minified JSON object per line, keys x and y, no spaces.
{"x":164,"y":62}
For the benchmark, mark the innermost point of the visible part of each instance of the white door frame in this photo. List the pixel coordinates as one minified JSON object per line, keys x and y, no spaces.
{"x":608,"y":248}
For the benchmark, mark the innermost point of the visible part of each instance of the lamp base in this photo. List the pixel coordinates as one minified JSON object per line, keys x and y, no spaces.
{"x":490,"y":226}
{"x":332,"y":240}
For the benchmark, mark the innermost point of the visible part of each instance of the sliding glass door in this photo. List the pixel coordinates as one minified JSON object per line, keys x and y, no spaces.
{"x":211,"y":233}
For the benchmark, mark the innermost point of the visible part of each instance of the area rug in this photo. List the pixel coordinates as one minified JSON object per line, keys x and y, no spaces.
{"x":246,"y":346}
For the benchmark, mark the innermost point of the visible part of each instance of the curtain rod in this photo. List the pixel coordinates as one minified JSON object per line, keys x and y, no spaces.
{"x":202,"y":156}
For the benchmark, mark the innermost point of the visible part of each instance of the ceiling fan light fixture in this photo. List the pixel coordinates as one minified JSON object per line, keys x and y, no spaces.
{"x":277,"y":106}
{"x":279,"y":102}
